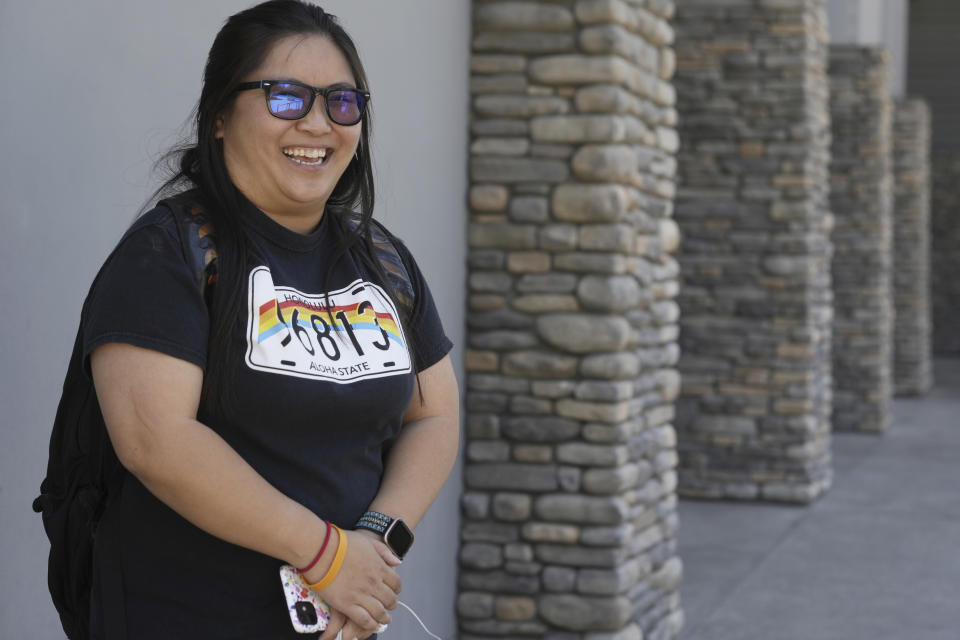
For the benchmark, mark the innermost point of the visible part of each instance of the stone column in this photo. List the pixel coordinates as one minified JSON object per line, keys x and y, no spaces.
{"x":753,"y":417}
{"x":861,"y":198}
{"x":912,"y":366}
{"x":569,"y":510}
{"x":945,"y":252}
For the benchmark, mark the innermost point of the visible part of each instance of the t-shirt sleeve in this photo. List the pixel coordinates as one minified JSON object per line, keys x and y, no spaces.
{"x":146,"y":295}
{"x":430,"y":343}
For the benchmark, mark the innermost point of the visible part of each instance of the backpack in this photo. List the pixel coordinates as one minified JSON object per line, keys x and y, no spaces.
{"x":83,"y":472}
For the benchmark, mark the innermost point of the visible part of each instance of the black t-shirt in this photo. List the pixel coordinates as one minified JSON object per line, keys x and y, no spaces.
{"x":318,"y":404}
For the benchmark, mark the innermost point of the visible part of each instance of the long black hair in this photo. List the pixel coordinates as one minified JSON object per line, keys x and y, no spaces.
{"x":240,"y":47}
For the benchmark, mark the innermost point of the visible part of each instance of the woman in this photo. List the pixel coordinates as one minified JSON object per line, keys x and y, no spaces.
{"x":298,"y":394}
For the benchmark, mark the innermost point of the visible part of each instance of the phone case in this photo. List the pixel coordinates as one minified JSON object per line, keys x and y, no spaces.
{"x":308,"y":613}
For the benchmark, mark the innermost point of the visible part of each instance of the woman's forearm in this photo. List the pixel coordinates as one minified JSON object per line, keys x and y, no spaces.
{"x":196,"y":473}
{"x":418,"y":465}
{"x":149,"y":402}
{"x":425,"y":450}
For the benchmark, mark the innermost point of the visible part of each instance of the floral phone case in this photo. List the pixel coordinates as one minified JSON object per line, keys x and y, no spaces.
{"x":308,"y":613}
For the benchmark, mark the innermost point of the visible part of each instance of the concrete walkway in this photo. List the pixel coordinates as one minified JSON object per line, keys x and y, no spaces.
{"x":877,"y":557}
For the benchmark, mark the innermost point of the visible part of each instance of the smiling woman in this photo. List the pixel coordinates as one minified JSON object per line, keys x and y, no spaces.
{"x":291,"y":402}
{"x":286,"y":156}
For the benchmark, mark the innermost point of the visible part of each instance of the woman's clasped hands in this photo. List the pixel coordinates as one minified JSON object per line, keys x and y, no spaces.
{"x":365,"y":589}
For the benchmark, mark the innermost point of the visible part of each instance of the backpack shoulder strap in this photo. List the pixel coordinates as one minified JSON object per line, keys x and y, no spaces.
{"x":198,"y":239}
{"x":385,"y":246}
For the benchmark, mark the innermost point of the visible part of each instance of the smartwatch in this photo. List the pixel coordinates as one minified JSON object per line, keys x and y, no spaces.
{"x":394,"y":531}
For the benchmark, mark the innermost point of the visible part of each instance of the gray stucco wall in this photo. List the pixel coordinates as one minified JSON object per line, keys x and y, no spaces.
{"x":89,"y":103}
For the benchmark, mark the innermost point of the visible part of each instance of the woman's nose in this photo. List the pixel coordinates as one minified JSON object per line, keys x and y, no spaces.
{"x":317,"y":118}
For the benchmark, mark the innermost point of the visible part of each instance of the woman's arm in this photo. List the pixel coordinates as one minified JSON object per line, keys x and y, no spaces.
{"x":426,"y":449}
{"x":419,"y":462}
{"x":149,"y":402}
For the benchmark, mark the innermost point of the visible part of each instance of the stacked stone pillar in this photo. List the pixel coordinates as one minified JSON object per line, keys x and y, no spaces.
{"x":569,"y":509}
{"x":861,"y":198}
{"x":912,"y":367}
{"x":945,"y":252}
{"x":752,"y":205}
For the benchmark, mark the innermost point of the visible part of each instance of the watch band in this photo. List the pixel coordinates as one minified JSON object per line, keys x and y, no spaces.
{"x":371,"y":526}
{"x":394,"y":531}
{"x":374,"y":521}
{"x":376,"y":515}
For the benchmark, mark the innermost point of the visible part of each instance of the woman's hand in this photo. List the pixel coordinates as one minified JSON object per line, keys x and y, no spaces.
{"x":339,"y":622}
{"x":365,"y":589}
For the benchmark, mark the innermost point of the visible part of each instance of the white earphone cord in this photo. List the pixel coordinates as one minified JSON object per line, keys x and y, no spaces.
{"x":414,"y":613}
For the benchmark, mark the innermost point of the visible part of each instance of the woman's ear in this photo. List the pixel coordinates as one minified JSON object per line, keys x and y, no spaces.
{"x":218,"y":127}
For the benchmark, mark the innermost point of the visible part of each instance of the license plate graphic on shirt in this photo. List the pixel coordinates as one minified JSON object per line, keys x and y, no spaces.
{"x":294,"y":333}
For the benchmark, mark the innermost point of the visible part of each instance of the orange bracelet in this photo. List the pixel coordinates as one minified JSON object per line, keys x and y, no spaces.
{"x":334,"y":569}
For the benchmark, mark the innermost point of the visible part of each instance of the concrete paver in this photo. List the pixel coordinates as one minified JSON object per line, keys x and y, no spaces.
{"x":877,"y":557}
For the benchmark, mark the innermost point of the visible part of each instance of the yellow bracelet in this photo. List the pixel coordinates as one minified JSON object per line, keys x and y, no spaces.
{"x":334,"y":569}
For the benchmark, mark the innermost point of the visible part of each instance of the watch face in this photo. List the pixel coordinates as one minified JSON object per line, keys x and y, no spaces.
{"x":399,"y":538}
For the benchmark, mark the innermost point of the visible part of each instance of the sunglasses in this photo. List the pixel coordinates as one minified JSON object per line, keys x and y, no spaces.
{"x":291,"y":100}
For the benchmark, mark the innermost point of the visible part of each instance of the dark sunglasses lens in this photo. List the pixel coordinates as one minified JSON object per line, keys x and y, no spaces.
{"x":288,"y":101}
{"x":345,"y":106}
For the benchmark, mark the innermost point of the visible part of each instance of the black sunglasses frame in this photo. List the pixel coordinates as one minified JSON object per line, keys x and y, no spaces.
{"x":314,"y":92}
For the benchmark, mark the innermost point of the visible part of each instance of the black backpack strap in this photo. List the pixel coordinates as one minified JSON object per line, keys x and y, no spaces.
{"x":391,"y":262}
{"x":198,"y":239}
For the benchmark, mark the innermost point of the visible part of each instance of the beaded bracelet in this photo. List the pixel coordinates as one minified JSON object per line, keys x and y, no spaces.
{"x":334,"y":569}
{"x":323,"y":548}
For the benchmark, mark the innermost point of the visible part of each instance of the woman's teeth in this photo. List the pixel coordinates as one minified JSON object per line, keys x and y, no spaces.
{"x":306,"y":156}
